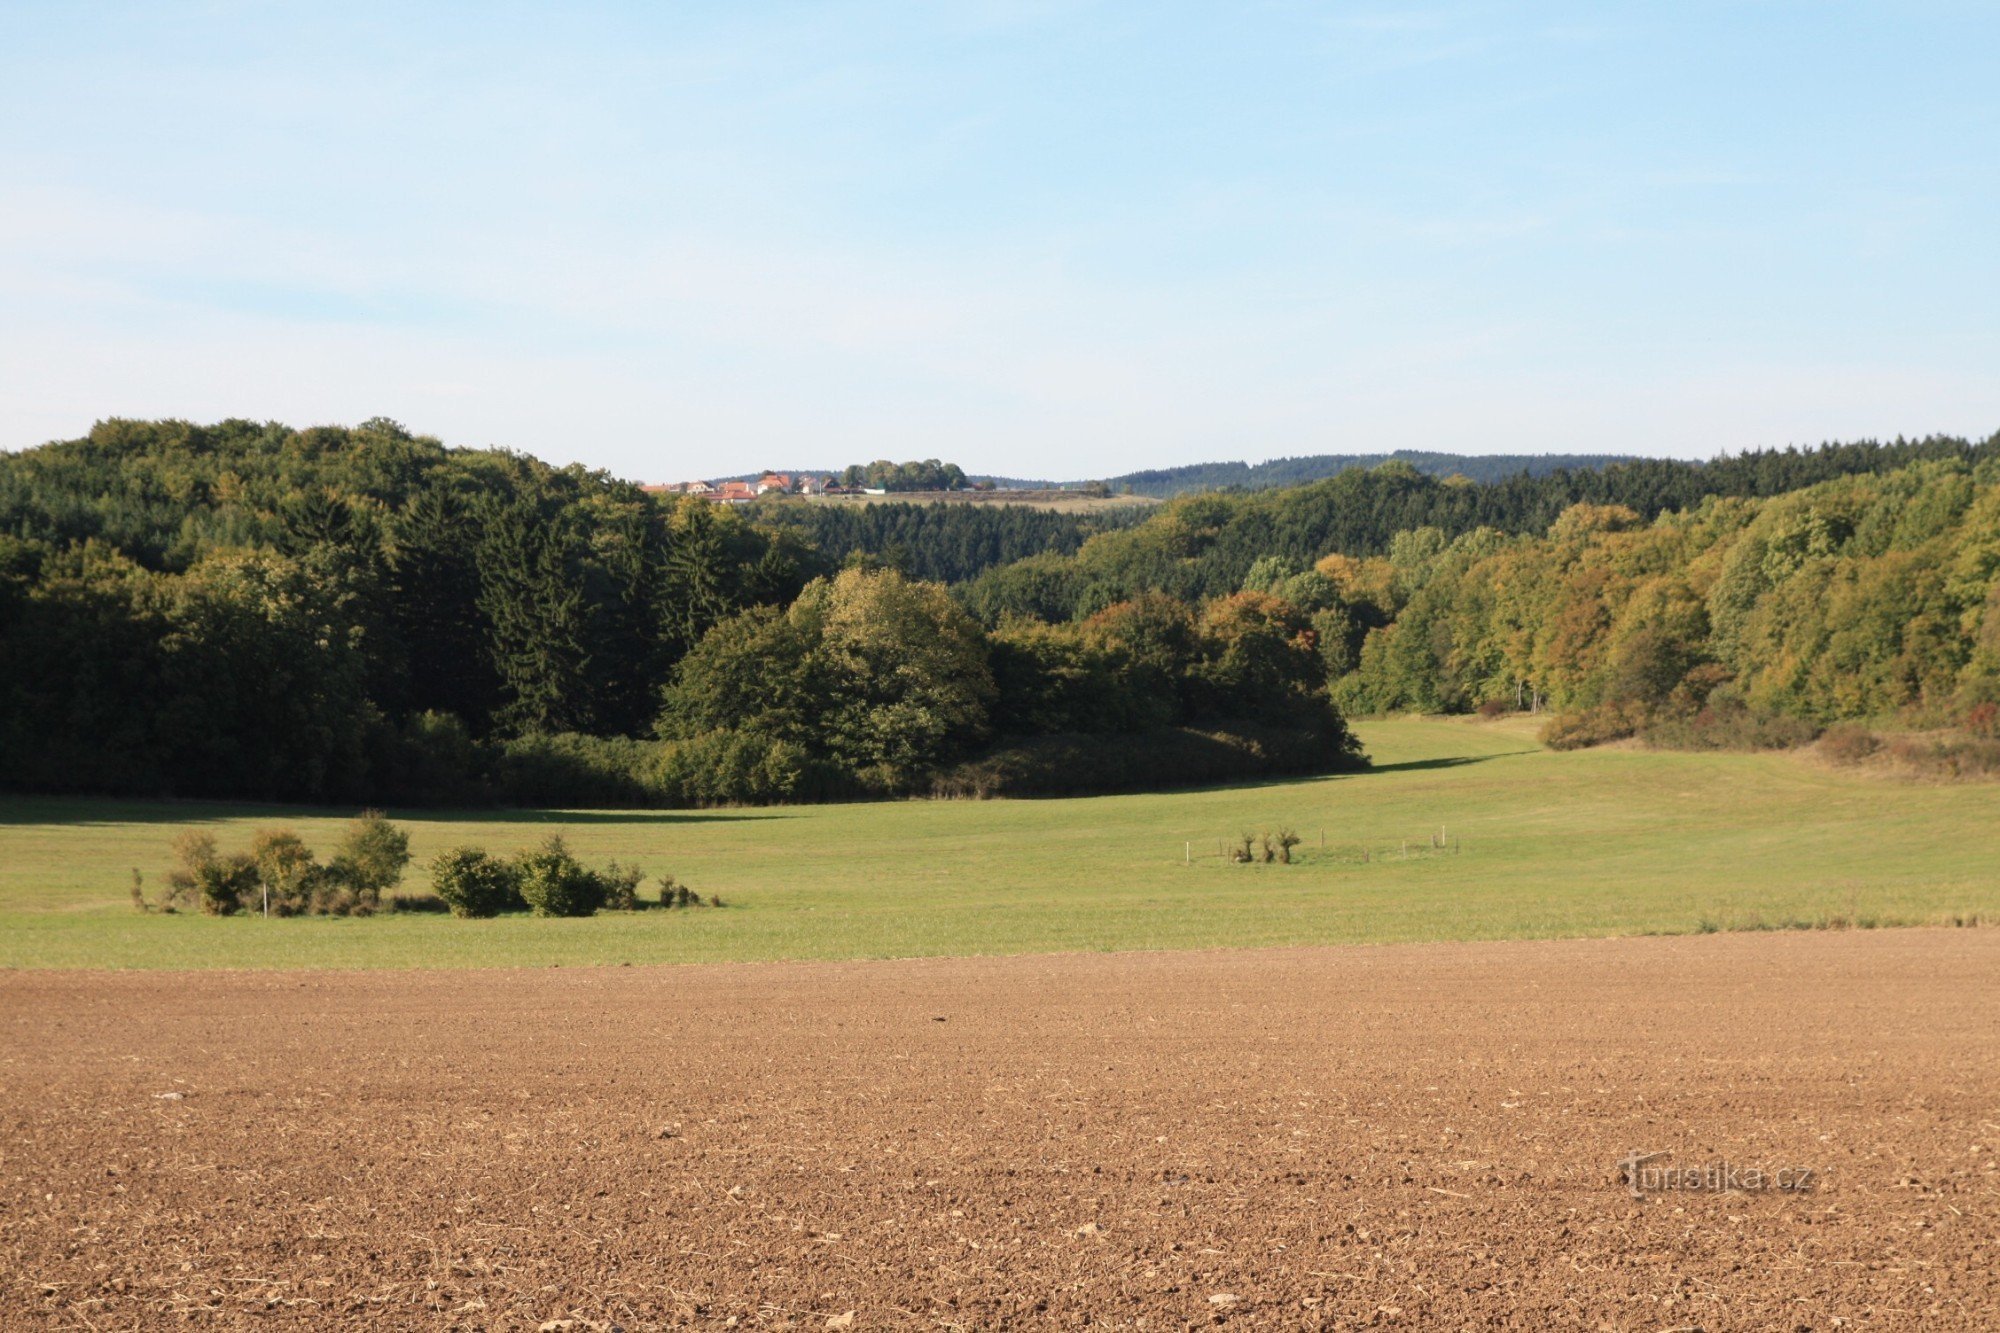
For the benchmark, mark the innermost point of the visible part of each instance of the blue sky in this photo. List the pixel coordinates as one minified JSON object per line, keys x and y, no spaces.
{"x":1046,"y":239}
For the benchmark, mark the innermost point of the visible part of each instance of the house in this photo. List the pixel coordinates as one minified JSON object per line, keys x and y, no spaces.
{"x":815,"y":485}
{"x":732,"y":492}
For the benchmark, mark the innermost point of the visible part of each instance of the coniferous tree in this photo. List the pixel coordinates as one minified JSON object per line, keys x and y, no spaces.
{"x":533,"y":599}
{"x":434,"y":587}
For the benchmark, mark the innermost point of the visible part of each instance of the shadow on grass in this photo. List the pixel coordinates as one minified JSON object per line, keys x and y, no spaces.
{"x":87,"y":811}
{"x":1443,"y":761}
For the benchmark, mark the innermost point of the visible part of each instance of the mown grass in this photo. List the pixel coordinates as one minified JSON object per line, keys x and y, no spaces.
{"x":1592,"y":842}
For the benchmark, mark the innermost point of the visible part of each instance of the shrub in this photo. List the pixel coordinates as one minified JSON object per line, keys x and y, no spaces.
{"x":1595,"y":726}
{"x":1493,"y":708}
{"x":371,"y":858}
{"x":287,"y":878}
{"x":1966,"y":757}
{"x":554,"y":883}
{"x":1983,"y":721}
{"x":1849,"y":744}
{"x":218,"y":884}
{"x":1726,"y":723}
{"x":740,"y":768}
{"x":572,"y":769}
{"x":473,"y":884}
{"x":621,"y":887}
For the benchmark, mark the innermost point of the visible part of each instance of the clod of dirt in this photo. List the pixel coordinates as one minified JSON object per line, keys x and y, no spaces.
{"x":840,"y":1320}
{"x":169,"y":1096}
{"x":1223,"y":1299}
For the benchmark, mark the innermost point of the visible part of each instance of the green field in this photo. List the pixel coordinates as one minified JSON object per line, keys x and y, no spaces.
{"x":1610,"y":841}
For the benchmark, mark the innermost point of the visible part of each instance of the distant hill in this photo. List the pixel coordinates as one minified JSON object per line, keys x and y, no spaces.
{"x":1164,"y":483}
{"x":1172,"y":481}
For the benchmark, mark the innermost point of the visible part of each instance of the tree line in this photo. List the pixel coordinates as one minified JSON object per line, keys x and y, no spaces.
{"x":1735,"y":622}
{"x":363,"y":614}
{"x":883,"y":475}
{"x":1194,"y":477}
{"x":1203,"y":546}
{"x":244,"y":609}
{"x":939,"y":541}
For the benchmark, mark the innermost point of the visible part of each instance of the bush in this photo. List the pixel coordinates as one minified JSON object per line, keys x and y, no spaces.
{"x":1947,"y":757}
{"x":1593,"y":726}
{"x":740,"y":768}
{"x":571,"y":769}
{"x":621,"y":887}
{"x":432,"y":759}
{"x":473,"y":884}
{"x":1493,"y":708}
{"x":288,"y":879}
{"x":217,"y":884}
{"x":554,"y":883}
{"x":370,"y":862}
{"x":1849,"y":744}
{"x":1726,"y":723}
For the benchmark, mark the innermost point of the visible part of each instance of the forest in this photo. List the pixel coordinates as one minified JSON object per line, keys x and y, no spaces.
{"x":1168,"y":482}
{"x":363,"y":614}
{"x":247,"y":610}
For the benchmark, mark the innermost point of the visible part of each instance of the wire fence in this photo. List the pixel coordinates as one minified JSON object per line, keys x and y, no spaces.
{"x":1319,"y":848}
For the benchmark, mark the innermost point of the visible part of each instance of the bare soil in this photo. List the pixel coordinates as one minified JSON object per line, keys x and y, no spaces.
{"x":1423,"y":1137}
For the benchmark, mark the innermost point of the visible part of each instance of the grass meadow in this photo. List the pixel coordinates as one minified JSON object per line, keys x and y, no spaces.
{"x":1594,"y":842}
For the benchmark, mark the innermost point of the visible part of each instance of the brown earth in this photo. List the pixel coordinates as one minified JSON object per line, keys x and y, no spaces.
{"x":1417,"y":1137}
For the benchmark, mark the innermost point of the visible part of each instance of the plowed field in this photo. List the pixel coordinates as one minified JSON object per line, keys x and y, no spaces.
{"x":1422,"y":1136}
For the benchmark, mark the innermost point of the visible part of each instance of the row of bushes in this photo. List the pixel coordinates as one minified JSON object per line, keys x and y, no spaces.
{"x":1933,"y":756}
{"x":546,"y":880}
{"x":1720,"y":722}
{"x":280,"y":875}
{"x":1726,"y":723}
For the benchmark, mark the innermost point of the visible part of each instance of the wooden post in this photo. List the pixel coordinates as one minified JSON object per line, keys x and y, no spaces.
{"x":1187,"y":850}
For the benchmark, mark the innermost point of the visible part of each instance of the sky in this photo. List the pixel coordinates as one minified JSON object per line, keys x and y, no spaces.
{"x":1038,"y":239}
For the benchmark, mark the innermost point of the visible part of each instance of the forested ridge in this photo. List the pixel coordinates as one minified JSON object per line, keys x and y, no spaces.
{"x":361,"y":613}
{"x":364,"y":614}
{"x":940,"y":540}
{"x":1204,"y":545}
{"x":1274,"y":472}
